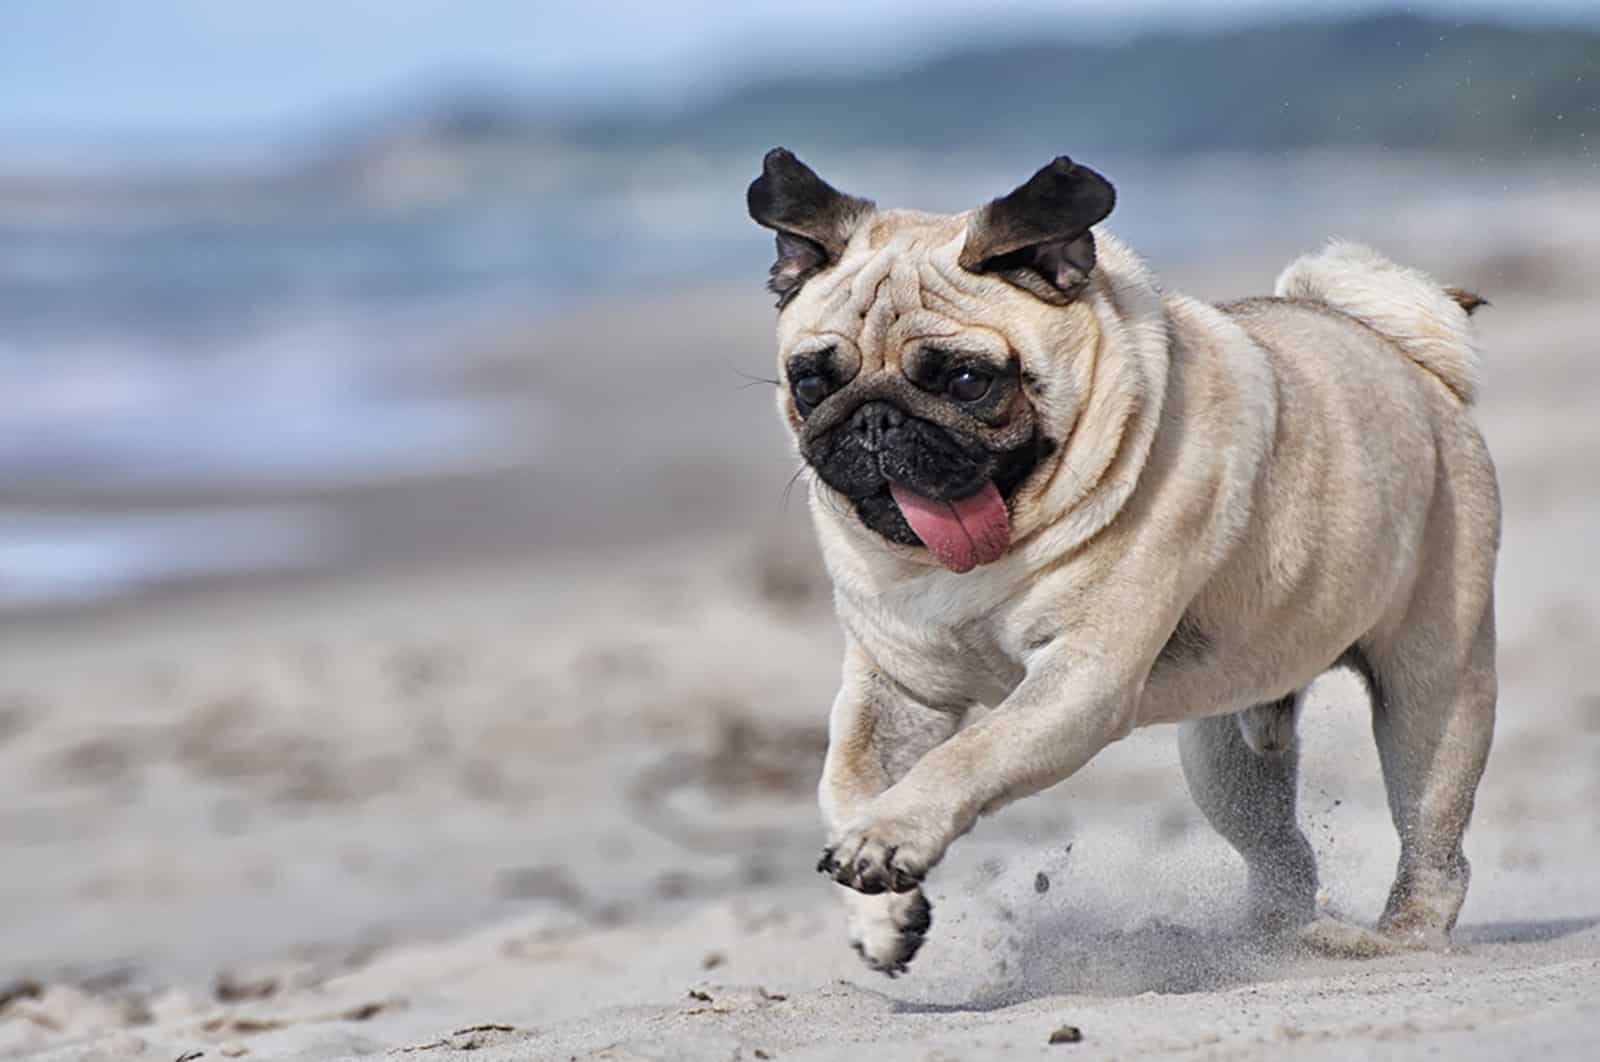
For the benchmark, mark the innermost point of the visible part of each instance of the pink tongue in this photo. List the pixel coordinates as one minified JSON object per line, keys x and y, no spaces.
{"x":962,"y":534}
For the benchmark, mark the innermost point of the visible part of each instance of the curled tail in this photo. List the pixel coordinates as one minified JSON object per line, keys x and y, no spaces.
{"x":1428,"y":322}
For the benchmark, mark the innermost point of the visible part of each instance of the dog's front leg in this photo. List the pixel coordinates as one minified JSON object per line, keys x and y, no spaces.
{"x":876,"y":732}
{"x":1068,"y":707}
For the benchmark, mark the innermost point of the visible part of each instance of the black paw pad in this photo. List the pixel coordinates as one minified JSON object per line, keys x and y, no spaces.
{"x":920,"y":917}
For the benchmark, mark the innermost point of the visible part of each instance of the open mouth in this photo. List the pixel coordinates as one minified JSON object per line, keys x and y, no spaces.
{"x":963,"y":533}
{"x":954,"y":504}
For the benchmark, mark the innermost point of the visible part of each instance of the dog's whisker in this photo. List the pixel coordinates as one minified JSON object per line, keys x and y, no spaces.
{"x":788,"y":488}
{"x":753,"y":381}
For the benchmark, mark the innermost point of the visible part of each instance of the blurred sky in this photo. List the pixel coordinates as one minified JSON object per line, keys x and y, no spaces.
{"x":86,"y":69}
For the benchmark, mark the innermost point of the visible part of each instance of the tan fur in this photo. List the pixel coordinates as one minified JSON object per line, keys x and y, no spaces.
{"x":1286,"y":478}
{"x":1427,"y":321}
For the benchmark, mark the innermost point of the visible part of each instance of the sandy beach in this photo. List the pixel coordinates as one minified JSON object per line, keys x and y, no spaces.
{"x":549,"y":793}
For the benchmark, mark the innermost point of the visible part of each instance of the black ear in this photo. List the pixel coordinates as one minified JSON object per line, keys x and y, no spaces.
{"x":1038,"y":236}
{"x":813,"y":219}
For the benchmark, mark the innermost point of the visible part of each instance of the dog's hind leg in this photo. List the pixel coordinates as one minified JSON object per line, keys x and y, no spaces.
{"x":1432,"y":672}
{"x":1249,"y":797}
{"x":1433,"y":718}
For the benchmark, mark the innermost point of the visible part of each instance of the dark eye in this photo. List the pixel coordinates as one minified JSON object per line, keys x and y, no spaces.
{"x":809,"y":391}
{"x":968,"y":386}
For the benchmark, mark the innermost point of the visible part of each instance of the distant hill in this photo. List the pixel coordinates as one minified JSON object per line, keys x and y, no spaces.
{"x":1478,"y":88}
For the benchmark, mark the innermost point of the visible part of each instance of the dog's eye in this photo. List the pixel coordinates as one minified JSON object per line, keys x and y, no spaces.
{"x":809,"y":391}
{"x":968,"y":386}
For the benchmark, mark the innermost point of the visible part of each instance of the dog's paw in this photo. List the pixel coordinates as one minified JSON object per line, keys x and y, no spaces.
{"x":880,"y":856}
{"x":887,"y":929}
{"x":1415,"y":932}
{"x":1334,"y":939}
{"x":1419,"y":916}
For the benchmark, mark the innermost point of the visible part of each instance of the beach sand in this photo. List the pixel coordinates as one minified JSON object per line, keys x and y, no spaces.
{"x":549,"y":793}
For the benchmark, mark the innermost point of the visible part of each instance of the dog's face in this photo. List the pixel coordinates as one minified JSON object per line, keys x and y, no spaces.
{"x":933,"y":366}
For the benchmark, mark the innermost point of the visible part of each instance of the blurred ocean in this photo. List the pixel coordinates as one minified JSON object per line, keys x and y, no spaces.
{"x":179,"y":355}
{"x":172,"y":355}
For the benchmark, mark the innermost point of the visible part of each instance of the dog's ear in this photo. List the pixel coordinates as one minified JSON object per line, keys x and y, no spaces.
{"x":813,"y":219}
{"x":1038,"y":236}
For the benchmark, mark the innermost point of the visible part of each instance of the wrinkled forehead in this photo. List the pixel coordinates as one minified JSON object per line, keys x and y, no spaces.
{"x":897,"y":282}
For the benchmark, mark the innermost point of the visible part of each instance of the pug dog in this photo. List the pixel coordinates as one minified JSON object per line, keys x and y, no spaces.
{"x":1045,"y":486}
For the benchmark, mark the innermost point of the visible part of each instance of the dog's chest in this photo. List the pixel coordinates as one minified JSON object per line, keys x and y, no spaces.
{"x":944,"y":652}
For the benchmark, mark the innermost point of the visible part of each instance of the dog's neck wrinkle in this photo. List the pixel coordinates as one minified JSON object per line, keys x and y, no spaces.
{"x":1063,"y":466}
{"x":1106,"y":476}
